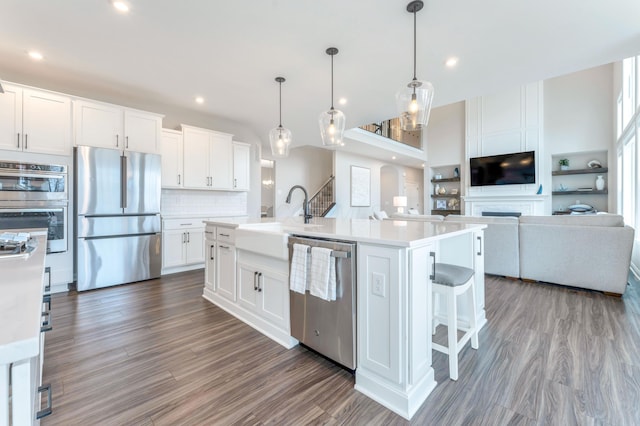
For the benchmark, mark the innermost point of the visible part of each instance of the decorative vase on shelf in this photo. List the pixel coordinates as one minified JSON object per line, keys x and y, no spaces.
{"x":437,"y":190}
{"x":599,"y":183}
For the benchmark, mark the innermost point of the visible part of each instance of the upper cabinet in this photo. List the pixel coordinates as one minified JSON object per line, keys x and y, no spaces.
{"x":111,"y":126}
{"x":35,"y":121}
{"x":171,"y":152}
{"x":241,"y":166}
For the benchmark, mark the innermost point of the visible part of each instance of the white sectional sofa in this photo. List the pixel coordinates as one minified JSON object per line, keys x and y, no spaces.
{"x":586,"y":251}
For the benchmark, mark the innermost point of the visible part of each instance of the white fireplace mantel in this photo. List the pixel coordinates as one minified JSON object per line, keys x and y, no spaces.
{"x":524,"y":204}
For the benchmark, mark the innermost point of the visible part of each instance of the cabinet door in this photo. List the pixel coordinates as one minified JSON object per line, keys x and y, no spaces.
{"x":142,"y":131}
{"x":210,"y":265}
{"x":171,"y":151}
{"x":11,"y":118}
{"x":226,"y":280}
{"x":46,"y":123}
{"x":195,"y":246}
{"x":98,"y":125}
{"x":196,"y":159}
{"x":241,"y":166}
{"x":221,"y":161}
{"x":173,"y":251}
{"x":275,"y":298}
{"x":247,"y":293}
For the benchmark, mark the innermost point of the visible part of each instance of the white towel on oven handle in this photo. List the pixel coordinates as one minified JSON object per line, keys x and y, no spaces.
{"x":323,"y":274}
{"x":298,"y":274}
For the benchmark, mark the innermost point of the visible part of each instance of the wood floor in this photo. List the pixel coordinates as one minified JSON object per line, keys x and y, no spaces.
{"x":156,"y":353}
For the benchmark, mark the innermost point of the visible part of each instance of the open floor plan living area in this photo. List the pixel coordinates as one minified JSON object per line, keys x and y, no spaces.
{"x":301,"y":213}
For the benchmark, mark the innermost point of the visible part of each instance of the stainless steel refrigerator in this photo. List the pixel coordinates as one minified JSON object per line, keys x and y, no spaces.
{"x":117,"y":210}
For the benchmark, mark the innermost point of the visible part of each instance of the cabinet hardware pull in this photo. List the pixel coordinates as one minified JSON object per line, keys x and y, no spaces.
{"x":208,"y":232}
{"x":224,"y":235}
{"x":224,"y":247}
{"x":18,"y":140}
{"x":117,"y":141}
{"x":479,"y":245}
{"x":211,"y":252}
{"x":126,"y":145}
{"x":26,"y":140}
{"x":433,"y":266}
{"x":47,"y":270}
{"x":259,"y":284}
{"x":184,"y":237}
{"x":47,"y":410}
{"x":255,"y":277}
{"x":188,"y":237}
{"x":186,"y":224}
{"x":48,"y":324}
{"x":235,"y":182}
{"x":178,"y":179}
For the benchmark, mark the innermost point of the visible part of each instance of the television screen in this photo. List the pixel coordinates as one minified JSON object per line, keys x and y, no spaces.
{"x":504,"y":169}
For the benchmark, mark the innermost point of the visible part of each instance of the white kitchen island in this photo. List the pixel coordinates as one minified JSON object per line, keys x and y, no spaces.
{"x":395,"y":260}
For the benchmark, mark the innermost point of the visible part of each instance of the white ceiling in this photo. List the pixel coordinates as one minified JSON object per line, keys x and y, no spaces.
{"x":167,"y":52}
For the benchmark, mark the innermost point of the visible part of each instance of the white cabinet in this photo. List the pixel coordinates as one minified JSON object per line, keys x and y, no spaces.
{"x":112,"y":126}
{"x":182,"y":243}
{"x":207,"y":159}
{"x":171,"y":152}
{"x":241,"y":166}
{"x":264,"y":289}
{"x":220,"y":269}
{"x":35,"y":121}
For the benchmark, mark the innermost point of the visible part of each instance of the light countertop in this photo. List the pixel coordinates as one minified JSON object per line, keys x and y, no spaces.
{"x":21,"y":301}
{"x":387,"y":232}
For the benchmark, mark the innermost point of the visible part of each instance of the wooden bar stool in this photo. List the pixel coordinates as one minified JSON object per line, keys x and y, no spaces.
{"x":451,"y":281}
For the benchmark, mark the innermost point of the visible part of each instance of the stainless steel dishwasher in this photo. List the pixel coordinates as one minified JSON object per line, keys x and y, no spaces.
{"x":329,"y":328}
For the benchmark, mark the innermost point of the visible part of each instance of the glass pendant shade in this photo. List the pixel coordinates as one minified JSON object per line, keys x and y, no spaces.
{"x":414,"y":105}
{"x":332,"y":127}
{"x":280,"y":139}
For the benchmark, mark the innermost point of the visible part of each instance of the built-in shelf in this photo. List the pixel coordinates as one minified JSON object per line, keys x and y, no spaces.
{"x":445,"y":212}
{"x":445,"y":196}
{"x":593,"y":192}
{"x":598,"y":170}
{"x":453,"y":179}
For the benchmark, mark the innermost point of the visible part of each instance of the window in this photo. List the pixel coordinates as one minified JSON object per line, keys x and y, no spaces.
{"x":628,"y":182}
{"x":628,"y":90}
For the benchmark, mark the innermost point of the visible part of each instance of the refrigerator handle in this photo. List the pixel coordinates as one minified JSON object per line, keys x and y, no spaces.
{"x":123,"y":181}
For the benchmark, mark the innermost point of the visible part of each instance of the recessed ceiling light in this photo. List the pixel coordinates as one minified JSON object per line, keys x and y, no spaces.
{"x":451,"y":62}
{"x":120,"y":6}
{"x":423,"y":165}
{"x":342,"y":101}
{"x":199,"y":100}
{"x":36,"y":56}
{"x":393,"y":158}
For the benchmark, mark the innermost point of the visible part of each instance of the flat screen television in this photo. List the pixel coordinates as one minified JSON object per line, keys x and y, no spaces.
{"x":505,"y":169}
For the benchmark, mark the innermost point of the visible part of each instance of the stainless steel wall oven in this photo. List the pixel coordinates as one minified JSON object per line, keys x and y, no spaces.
{"x":35,"y":196}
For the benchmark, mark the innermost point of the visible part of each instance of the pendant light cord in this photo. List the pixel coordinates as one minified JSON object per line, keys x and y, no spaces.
{"x":280,"y":103}
{"x":414,"y":44}
{"x":332,"y":82}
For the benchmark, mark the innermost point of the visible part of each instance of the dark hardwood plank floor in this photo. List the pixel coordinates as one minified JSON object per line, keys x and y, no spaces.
{"x":157,"y":353}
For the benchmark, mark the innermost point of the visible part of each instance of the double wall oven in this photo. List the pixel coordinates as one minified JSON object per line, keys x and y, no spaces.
{"x":35,"y":196}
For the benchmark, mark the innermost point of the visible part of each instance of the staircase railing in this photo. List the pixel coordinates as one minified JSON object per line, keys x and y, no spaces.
{"x":324,"y":199}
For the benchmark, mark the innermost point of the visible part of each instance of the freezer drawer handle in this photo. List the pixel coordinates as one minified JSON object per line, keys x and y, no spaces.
{"x":47,"y":410}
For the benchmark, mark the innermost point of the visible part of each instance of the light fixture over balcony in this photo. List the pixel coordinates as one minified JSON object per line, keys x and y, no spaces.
{"x":332,"y":121}
{"x":414,"y":99}
{"x":280,"y":137}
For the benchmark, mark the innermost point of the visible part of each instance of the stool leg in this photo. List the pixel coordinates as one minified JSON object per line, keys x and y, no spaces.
{"x":452,"y":328}
{"x":474,"y":318}
{"x":434,"y":321}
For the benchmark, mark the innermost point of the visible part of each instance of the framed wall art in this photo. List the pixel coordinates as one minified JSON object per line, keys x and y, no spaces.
{"x":360,"y":186}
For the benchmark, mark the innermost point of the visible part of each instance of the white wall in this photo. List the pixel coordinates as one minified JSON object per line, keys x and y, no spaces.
{"x":308,"y":166}
{"x":445,"y":135}
{"x":390,"y":186}
{"x":342,"y":166}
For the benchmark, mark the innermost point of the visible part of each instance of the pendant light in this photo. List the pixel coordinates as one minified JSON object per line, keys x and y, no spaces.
{"x":332,"y":121}
{"x":414,"y":99}
{"x":279,"y":137}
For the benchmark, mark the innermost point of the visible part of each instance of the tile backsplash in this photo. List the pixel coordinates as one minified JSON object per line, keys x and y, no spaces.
{"x":205,"y":203}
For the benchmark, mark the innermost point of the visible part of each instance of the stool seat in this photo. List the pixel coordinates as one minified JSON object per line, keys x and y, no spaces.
{"x":452,"y":275}
{"x":450,"y":281}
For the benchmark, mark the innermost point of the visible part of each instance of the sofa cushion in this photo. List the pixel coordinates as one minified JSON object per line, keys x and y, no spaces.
{"x":578,"y":220}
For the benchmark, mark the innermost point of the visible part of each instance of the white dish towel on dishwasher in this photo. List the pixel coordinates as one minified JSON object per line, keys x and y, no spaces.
{"x":323,"y":274}
{"x":298,"y":276}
